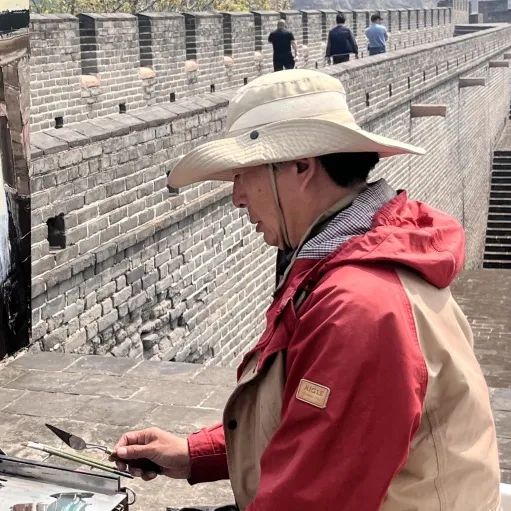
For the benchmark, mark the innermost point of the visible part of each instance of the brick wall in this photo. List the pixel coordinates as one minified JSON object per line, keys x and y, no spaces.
{"x":313,"y":47}
{"x":116,"y":51}
{"x":183,"y":276}
{"x":105,"y":60}
{"x":167,"y":55}
{"x":55,"y":70}
{"x":239,"y":48}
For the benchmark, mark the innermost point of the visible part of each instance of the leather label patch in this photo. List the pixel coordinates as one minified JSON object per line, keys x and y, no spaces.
{"x":312,"y":393}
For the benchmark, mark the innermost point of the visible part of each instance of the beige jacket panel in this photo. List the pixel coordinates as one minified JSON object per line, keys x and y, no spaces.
{"x":256,"y":403}
{"x":453,"y":463}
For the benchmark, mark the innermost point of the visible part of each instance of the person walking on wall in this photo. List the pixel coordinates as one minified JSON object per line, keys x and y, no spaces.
{"x":377,"y":35}
{"x":285,"y":48}
{"x":340,"y":42}
{"x":363,"y":392}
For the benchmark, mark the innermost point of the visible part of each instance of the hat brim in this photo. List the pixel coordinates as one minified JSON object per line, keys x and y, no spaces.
{"x":279,"y":142}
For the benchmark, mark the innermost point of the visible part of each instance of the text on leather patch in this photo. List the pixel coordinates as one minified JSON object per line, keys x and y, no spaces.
{"x":312,"y":393}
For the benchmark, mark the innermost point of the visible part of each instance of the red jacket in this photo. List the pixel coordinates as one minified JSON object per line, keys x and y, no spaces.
{"x":355,"y":334}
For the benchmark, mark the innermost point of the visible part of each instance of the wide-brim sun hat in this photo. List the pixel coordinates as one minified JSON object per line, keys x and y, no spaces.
{"x":280,"y":117}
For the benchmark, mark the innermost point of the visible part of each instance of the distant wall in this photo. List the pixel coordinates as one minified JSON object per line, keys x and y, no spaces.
{"x":184,"y":276}
{"x":100,"y":64}
{"x":494,"y":11}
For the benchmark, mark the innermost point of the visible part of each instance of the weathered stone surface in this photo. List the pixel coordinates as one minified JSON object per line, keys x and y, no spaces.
{"x":7,"y":396}
{"x":40,"y":404}
{"x":103,"y":365}
{"x":44,"y":362}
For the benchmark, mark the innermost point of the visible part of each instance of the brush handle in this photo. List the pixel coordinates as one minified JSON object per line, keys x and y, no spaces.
{"x":77,"y":458}
{"x":144,"y":464}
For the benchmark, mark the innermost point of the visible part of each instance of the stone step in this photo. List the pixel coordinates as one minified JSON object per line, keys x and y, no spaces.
{"x":502,"y":152}
{"x":500,"y":183}
{"x":497,"y":221}
{"x":499,"y":239}
{"x":501,"y":172}
{"x":500,"y":194}
{"x":503,"y":209}
{"x":494,"y":229}
{"x":500,"y":165}
{"x":500,"y":201}
{"x":497,"y":256}
{"x":497,"y":264}
{"x":493,"y":248}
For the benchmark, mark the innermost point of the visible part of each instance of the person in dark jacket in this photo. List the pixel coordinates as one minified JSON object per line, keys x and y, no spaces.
{"x":285,"y":49}
{"x":340,"y":42}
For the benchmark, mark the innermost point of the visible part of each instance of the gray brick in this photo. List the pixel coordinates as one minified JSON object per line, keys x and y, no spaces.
{"x":108,"y":320}
{"x":121,"y":297}
{"x":90,"y":315}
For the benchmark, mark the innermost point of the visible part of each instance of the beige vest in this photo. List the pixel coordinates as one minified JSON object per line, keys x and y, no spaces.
{"x":453,"y":463}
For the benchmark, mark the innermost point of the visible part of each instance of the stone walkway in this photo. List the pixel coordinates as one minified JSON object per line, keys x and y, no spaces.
{"x":101,"y":397}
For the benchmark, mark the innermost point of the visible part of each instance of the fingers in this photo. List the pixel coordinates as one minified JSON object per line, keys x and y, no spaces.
{"x":132,"y":445}
{"x":131,"y":437}
{"x":149,"y":476}
{"x":134,"y":452}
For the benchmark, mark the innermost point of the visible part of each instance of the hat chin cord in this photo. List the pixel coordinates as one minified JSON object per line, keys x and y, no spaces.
{"x":272,"y":168}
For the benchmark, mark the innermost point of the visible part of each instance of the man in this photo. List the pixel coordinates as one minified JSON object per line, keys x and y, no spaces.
{"x":377,"y":35}
{"x":363,"y":393}
{"x":340,"y":42}
{"x":283,"y":41}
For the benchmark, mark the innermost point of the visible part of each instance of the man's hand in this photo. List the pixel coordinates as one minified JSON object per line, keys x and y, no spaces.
{"x":168,"y":451}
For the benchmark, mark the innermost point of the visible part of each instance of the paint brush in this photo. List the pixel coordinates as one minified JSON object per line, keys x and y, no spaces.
{"x":77,"y":458}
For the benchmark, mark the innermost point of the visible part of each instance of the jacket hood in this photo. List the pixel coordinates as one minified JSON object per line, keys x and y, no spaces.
{"x":411,"y":234}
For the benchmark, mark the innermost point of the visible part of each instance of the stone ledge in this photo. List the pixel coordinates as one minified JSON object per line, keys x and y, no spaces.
{"x":471,"y":82}
{"x":199,"y":14}
{"x":237,"y":14}
{"x":160,"y":15}
{"x":69,"y":136}
{"x":103,"y":128}
{"x":498,"y":63}
{"x":424,"y":110}
{"x":51,"y":18}
{"x":111,"y":16}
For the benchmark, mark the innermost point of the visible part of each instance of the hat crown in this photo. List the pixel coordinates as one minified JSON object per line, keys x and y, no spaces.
{"x":274,"y":97}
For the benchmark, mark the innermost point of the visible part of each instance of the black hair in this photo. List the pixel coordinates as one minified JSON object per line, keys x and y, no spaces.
{"x":348,"y":169}
{"x":375,"y":17}
{"x":340,"y":18}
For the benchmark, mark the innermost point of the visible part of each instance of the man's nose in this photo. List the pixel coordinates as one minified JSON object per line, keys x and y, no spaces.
{"x":238,"y":196}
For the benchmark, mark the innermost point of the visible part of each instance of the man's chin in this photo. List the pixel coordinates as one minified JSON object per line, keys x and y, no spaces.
{"x":271,"y":241}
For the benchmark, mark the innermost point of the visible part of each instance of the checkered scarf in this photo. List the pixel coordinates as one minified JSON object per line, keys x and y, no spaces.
{"x":352,"y":221}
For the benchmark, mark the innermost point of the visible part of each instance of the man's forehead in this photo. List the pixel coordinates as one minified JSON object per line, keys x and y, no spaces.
{"x":249,"y":170}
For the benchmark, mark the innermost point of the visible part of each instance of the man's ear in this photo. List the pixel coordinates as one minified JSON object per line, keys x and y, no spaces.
{"x":302,"y":166}
{"x":306,"y":168}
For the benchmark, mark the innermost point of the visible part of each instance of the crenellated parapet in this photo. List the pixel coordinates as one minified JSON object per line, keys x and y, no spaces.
{"x":96,"y":65}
